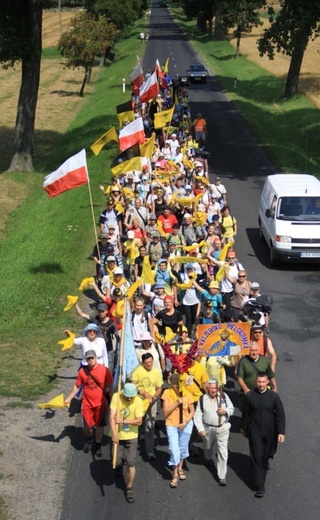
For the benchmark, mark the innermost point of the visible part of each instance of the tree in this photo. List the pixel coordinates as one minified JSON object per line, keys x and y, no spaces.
{"x":290,"y":31}
{"x":86,"y":38}
{"x":121,"y":13}
{"x":243,"y":15}
{"x":20,"y":40}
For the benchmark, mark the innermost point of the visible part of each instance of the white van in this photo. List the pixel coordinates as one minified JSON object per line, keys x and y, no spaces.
{"x":289,"y":218}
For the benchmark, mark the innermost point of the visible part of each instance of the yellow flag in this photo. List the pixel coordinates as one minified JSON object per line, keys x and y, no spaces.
{"x":128,"y":193}
{"x":146,"y":149}
{"x":72,"y":300}
{"x":203,"y":180}
{"x":56,"y":402}
{"x":173,"y":197}
{"x":199,"y":218}
{"x":110,"y":135}
{"x":125,"y":116}
{"x":160,"y":229}
{"x":147,"y":275}
{"x":133,"y":288}
{"x":221,"y":376}
{"x":119,"y":208}
{"x":186,"y":202}
{"x":186,"y":259}
{"x":85,"y":283}
{"x":184,"y":286}
{"x":197,"y":198}
{"x":162,"y":118}
{"x":221,"y":273}
{"x":128,"y":166}
{"x":68,"y":342}
{"x":224,"y":250}
{"x":165,"y":68}
{"x":189,"y":248}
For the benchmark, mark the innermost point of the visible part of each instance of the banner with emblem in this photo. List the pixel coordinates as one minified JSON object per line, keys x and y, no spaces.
{"x":224,"y":339}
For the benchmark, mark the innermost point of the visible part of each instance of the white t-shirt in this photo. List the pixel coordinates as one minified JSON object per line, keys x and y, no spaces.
{"x":190,"y":297}
{"x":98,"y":345}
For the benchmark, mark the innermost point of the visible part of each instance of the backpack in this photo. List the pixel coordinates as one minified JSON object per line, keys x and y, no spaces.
{"x":266,"y":302}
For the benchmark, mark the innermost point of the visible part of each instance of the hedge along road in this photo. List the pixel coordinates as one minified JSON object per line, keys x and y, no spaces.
{"x":242,"y":163}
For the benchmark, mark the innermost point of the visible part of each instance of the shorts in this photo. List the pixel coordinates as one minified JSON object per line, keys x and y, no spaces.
{"x":94,"y":416}
{"x":127,"y":452}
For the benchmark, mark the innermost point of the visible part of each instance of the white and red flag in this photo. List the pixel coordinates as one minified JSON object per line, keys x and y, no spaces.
{"x":71,"y":174}
{"x":131,"y":134}
{"x":136,"y":78}
{"x":158,"y":69}
{"x":150,"y":89}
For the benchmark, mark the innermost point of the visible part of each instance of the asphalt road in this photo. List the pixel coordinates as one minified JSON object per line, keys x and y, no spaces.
{"x":292,"y":485}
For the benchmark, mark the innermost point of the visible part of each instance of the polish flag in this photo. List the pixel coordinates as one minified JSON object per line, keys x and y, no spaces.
{"x":69,"y":175}
{"x":158,"y":69}
{"x":131,"y":134}
{"x":150,"y":89}
{"x":136,"y":77}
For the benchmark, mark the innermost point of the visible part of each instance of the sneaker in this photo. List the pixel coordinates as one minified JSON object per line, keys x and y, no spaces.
{"x":99,"y":451}
{"x":259,"y":492}
{"x":87,"y":445}
{"x":222,"y":482}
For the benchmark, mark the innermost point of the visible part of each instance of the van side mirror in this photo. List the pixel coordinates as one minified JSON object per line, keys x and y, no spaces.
{"x":269,"y":213}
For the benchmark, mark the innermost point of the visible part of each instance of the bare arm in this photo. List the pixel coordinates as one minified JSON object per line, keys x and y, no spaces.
{"x":73,"y":392}
{"x":98,"y":292}
{"x":272,"y":353}
{"x":81,"y":313}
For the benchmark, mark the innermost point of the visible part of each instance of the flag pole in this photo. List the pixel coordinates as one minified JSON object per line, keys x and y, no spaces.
{"x":93,"y":219}
{"x":121,"y":354}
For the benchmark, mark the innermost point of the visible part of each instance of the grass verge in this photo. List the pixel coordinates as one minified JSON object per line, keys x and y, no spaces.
{"x":46,"y":249}
{"x":288,"y":129}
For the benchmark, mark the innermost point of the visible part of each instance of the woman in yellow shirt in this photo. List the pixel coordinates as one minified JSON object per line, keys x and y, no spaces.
{"x":179,"y":426}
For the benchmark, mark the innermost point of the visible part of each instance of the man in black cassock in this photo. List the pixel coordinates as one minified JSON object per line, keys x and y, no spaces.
{"x":263,"y":421}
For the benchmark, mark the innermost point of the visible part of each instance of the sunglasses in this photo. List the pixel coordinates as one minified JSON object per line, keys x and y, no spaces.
{"x":242,"y":276}
{"x":231,"y":257}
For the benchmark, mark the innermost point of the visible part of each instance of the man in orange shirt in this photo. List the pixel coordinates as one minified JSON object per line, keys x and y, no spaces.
{"x":200,"y":129}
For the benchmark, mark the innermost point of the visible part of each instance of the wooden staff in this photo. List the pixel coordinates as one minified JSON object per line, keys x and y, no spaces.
{"x":93,"y":219}
{"x":115,"y":446}
{"x":221,"y":371}
{"x":181,"y":404}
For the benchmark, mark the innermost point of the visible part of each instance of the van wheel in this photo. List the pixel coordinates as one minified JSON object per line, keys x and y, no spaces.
{"x":261,"y":235}
{"x":273,"y":260}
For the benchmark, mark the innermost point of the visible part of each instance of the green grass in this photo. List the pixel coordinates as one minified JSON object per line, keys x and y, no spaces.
{"x":45,"y":253}
{"x":287,"y":128}
{"x":50,"y":53}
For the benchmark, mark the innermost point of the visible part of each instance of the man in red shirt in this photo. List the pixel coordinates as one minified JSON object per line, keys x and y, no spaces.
{"x":96,"y":380}
{"x":168,"y":219}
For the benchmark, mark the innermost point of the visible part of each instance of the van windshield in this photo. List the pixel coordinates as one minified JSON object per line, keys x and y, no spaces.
{"x":299,"y":208}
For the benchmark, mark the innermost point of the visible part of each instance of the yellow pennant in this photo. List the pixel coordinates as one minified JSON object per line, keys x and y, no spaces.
{"x":85,"y":283}
{"x":68,"y":342}
{"x":72,"y":300}
{"x":128,"y":193}
{"x":186,"y":202}
{"x":160,"y":229}
{"x":133,"y":288}
{"x":203,"y":180}
{"x":199,"y":218}
{"x":187,"y":259}
{"x":224,"y":250}
{"x":147,"y":275}
{"x":119,"y":208}
{"x":56,"y":402}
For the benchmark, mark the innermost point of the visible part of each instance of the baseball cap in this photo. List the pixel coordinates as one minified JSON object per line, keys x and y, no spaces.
{"x":255,"y":285}
{"x":213,"y":285}
{"x":90,"y":353}
{"x":111,"y":226}
{"x":103,"y":235}
{"x":145,"y":336}
{"x":188,"y":187}
{"x":111,"y":258}
{"x":117,"y":292}
{"x":130,"y":234}
{"x":152,"y":217}
{"x":118,"y":270}
{"x":102,"y":307}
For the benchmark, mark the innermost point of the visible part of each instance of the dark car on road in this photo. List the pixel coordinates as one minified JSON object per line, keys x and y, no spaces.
{"x":197,"y":73}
